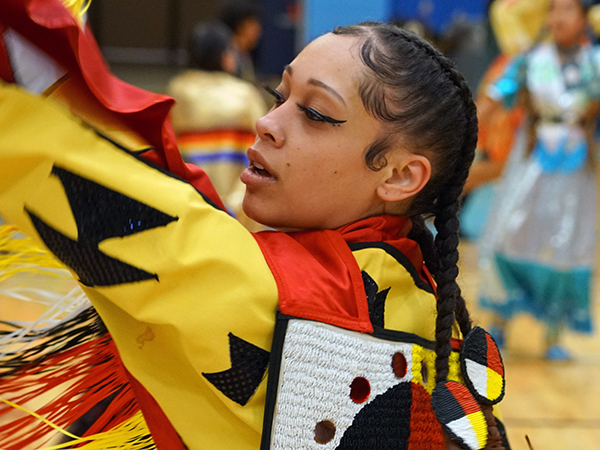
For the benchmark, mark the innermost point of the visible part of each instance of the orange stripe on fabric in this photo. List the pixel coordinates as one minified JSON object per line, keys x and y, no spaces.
{"x":463,"y":397}
{"x":493,"y":356}
{"x":202,"y":138}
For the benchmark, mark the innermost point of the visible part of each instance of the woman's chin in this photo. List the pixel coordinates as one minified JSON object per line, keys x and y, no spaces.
{"x":269,"y":220}
{"x":257,"y":214}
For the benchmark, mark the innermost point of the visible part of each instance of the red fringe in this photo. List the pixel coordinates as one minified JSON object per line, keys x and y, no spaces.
{"x":80,"y":377}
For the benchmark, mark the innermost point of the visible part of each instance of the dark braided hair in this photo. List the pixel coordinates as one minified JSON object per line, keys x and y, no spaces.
{"x":428,"y":108}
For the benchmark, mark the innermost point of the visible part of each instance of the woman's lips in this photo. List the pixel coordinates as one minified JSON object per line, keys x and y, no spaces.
{"x":257,"y":171}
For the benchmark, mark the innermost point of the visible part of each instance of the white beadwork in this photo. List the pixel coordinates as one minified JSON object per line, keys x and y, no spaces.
{"x":478,"y":374}
{"x":464,"y":428}
{"x":319,"y":363}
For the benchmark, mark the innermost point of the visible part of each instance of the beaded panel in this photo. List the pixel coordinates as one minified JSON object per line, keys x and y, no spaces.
{"x":332,"y":380}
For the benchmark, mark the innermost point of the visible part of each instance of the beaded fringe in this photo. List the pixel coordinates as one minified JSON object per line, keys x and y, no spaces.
{"x":62,"y":384}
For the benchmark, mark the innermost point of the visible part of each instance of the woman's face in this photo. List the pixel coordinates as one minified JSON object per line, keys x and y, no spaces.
{"x":307,"y":167}
{"x":566,"y":21}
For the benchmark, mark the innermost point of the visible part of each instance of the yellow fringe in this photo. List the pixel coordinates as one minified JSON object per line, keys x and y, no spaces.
{"x":130,"y":435}
{"x":37,"y":416}
{"x":77,"y":8}
{"x":21,"y":254}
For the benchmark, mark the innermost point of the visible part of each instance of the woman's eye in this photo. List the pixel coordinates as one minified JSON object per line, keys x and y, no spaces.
{"x":313,"y":115}
{"x":316,"y":116}
{"x":279,"y":99}
{"x":310,"y":113}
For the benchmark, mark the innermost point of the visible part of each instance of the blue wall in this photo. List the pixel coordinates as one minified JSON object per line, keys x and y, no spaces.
{"x":323,"y":15}
{"x":439,"y":13}
{"x":281,"y":40}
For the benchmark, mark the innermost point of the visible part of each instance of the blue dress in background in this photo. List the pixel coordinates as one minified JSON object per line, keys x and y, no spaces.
{"x":537,"y":253}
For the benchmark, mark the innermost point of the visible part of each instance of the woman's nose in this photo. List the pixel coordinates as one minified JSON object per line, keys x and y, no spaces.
{"x":269,"y":129}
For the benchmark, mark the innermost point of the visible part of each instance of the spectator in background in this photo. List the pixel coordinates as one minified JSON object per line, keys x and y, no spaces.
{"x":517,"y":25}
{"x":538,"y":250}
{"x":215,"y":113}
{"x":243,"y":18}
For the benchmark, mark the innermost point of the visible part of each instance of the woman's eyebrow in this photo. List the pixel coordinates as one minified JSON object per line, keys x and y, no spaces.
{"x":319,"y":84}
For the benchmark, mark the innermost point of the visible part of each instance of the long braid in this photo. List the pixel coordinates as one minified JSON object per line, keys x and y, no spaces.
{"x":451,"y":196}
{"x":446,"y":303}
{"x":451,"y":303}
{"x":428,"y":104}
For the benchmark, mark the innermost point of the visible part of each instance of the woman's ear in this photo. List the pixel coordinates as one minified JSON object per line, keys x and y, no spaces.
{"x":405,"y":177}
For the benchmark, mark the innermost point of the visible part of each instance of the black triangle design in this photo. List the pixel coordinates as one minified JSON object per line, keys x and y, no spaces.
{"x":248,"y":366}
{"x":375,"y":299}
{"x":100,"y":213}
{"x":384,"y":423}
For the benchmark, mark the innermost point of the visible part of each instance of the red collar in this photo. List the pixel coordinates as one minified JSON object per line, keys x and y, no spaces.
{"x":318,"y":277}
{"x":376,"y":228}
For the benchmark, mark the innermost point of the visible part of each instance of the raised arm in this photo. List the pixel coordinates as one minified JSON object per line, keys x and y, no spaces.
{"x":173,"y":277}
